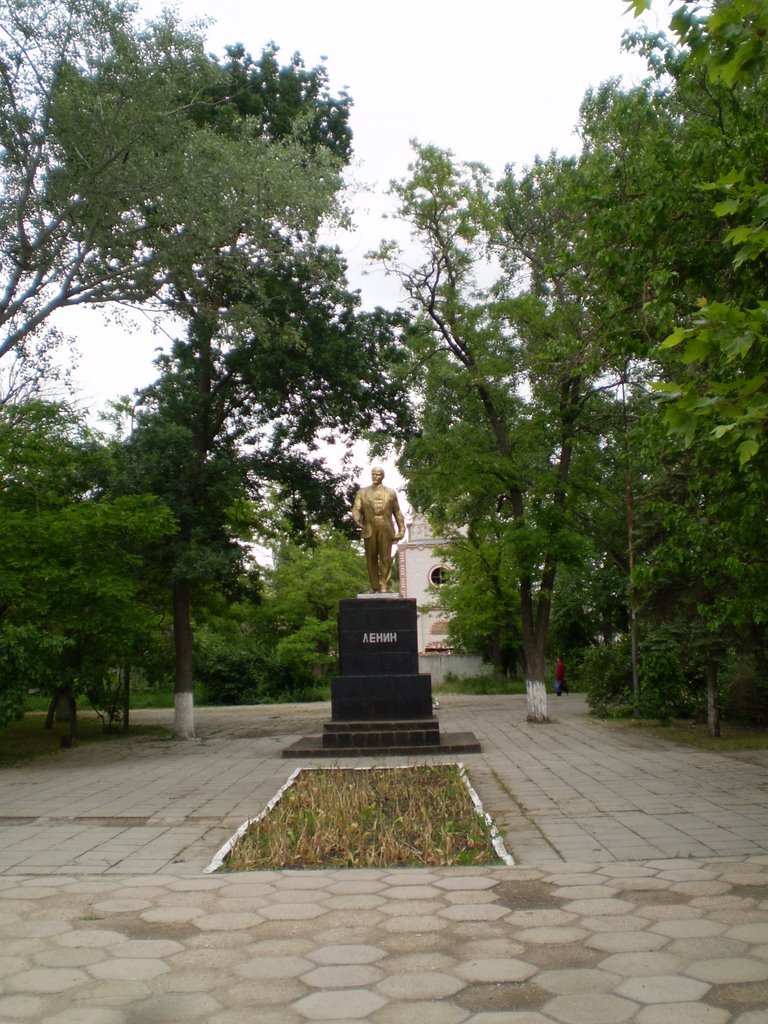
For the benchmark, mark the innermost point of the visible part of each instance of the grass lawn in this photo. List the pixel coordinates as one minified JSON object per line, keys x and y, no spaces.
{"x":380,"y":817}
{"x":27,"y":740}
{"x":732,"y":735}
{"x":479,"y":685}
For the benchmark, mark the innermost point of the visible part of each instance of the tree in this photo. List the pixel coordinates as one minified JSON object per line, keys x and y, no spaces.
{"x":503,"y":379}
{"x":76,"y":594}
{"x":92,"y":131}
{"x":723,"y":337}
{"x":480,"y":597}
{"x":276,"y":357}
{"x":304,"y":590}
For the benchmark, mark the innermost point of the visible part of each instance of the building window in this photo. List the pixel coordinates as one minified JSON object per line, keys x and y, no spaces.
{"x":438,"y":575}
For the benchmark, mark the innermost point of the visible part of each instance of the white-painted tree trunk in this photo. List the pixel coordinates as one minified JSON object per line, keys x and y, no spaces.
{"x":536,"y":692}
{"x":184,"y":716}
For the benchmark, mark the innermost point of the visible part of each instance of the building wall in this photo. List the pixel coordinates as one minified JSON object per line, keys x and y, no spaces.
{"x":419,"y":562}
{"x":460,"y":666}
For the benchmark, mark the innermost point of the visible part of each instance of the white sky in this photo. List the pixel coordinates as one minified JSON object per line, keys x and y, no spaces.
{"x":497,"y":81}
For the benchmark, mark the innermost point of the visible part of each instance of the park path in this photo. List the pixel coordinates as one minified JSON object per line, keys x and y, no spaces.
{"x":639,"y":894}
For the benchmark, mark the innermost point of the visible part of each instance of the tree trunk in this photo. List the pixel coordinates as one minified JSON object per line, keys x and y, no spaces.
{"x":126,"y":697}
{"x":183,"y":700}
{"x":536,"y":694}
{"x":535,"y":680}
{"x":535,"y":623}
{"x":72,"y":702}
{"x":58,"y":709}
{"x":713,"y":707}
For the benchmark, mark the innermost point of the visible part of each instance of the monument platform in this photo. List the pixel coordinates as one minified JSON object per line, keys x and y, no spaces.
{"x":380,"y":702}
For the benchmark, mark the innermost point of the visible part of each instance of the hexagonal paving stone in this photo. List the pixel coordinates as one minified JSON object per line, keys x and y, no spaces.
{"x":347,"y":954}
{"x":569,"y":982}
{"x":474,"y":912}
{"x":274,"y":967}
{"x":584,"y":892}
{"x":21,"y":1007}
{"x":91,"y":938}
{"x":415,"y":985}
{"x":626,"y":942}
{"x":15,"y":964}
{"x":466,"y":882}
{"x":689,"y":928}
{"x":600,"y":906}
{"x":756,"y":933}
{"x":423,"y":925}
{"x":46,"y":979}
{"x":504,"y":1017}
{"x":227,"y":922}
{"x":685,"y":1013}
{"x":86,"y":1015}
{"x":427,"y":1013}
{"x":398,"y":908}
{"x":292,"y":911}
{"x":728,"y":970}
{"x":76,"y":957}
{"x":412,"y":892}
{"x":633,"y":965}
{"x":756,"y":1017}
{"x":342,"y":976}
{"x":154,"y":948}
{"x":545,"y":936}
{"x":341,"y":1004}
{"x":171,"y":1008}
{"x":663,"y":988}
{"x":590,"y":1009}
{"x":495,"y":969}
{"x":356,"y":887}
{"x":128,"y":969}
{"x":540,"y":918}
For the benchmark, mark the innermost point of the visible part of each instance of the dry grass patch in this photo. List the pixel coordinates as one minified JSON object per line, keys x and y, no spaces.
{"x":378,"y":817}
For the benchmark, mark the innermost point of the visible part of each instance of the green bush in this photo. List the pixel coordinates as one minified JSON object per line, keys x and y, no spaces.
{"x":662,"y":686}
{"x":12,"y":705}
{"x":744,"y":691}
{"x":606,"y":676}
{"x":106,"y":696}
{"x":246,"y":670}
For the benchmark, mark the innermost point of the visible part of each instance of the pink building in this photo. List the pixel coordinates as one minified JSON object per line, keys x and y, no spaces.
{"x":422,"y":566}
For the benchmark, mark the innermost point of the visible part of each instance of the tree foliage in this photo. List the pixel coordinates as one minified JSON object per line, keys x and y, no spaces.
{"x":77,"y":595}
{"x":723,"y":336}
{"x":276,"y":356}
{"x":93,"y":128}
{"x":502,"y":369}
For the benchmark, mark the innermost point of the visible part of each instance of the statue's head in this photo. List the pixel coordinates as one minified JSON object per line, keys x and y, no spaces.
{"x":377,"y":474}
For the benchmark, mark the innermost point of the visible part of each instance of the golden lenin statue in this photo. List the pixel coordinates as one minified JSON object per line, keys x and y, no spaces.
{"x":376,"y":513}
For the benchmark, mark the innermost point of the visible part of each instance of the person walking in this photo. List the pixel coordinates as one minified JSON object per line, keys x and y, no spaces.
{"x":560,"y":684}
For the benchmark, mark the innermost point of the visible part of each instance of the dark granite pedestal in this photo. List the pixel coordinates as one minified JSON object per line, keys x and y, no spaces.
{"x":380,"y":702}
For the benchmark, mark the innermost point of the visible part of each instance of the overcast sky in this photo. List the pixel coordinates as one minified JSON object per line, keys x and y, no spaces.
{"x":497,"y":81}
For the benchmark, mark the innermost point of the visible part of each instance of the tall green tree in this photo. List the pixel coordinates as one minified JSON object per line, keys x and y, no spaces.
{"x":276,"y":356}
{"x":504,"y":377}
{"x":721,"y":63}
{"x":303,"y":593}
{"x":93,"y":128}
{"x":77,"y":592}
{"x":480,"y":596}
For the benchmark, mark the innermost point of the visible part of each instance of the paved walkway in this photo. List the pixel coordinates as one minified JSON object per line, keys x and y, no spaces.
{"x":640,"y":891}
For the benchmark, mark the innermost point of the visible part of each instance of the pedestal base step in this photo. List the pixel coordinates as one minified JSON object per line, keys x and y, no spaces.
{"x":447,"y":743}
{"x":417,"y":732}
